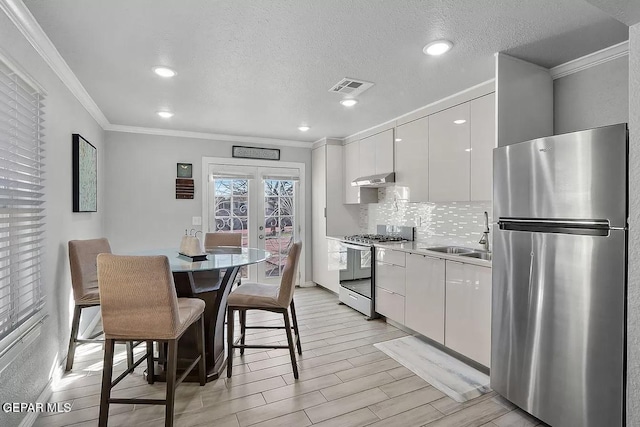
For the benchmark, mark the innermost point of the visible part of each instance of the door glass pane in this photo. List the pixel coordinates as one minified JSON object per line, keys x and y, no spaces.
{"x":230,"y":210}
{"x":279,"y":202}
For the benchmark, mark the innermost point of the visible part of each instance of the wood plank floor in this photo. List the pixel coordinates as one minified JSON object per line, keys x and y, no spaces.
{"x":344,"y":381}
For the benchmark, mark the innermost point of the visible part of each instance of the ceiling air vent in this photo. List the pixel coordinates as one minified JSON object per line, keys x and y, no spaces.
{"x":351,"y":87}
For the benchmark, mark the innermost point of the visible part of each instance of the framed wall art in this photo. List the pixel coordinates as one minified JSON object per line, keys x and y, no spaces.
{"x":185,"y":170}
{"x":85,"y":175}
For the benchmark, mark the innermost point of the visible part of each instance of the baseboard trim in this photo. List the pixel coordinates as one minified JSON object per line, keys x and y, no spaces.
{"x":31,"y":417}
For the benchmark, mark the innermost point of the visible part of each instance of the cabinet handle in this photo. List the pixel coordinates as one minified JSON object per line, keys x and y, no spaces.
{"x":389,"y":292}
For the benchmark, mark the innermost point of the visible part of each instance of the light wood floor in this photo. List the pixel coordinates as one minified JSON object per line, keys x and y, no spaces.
{"x":344,"y":381}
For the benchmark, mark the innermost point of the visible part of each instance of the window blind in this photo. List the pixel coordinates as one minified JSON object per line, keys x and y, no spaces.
{"x":22,"y":214}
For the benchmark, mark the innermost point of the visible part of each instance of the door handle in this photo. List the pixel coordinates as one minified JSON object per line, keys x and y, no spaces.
{"x":261,"y":228}
{"x":261,"y":237}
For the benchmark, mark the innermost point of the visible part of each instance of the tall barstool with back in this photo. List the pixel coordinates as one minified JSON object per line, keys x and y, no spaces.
{"x":84,"y":281}
{"x":206,"y":279}
{"x":139,"y":302}
{"x":260,"y":296}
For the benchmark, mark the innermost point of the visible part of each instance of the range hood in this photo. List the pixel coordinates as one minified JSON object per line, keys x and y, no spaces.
{"x":379,"y":180}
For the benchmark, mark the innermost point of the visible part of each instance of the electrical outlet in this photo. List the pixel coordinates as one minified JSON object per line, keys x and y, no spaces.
{"x":196,"y":220}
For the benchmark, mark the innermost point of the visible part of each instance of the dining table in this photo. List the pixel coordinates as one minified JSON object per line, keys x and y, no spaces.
{"x":210,"y":280}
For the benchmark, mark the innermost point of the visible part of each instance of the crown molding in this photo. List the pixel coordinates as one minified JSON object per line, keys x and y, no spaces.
{"x":22,"y":18}
{"x":591,"y":60}
{"x":210,"y":136}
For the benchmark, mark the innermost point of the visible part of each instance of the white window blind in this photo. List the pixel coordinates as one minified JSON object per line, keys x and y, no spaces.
{"x":21,"y":201}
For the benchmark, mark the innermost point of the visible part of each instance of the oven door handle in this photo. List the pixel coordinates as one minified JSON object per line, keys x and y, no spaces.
{"x":356,"y":247}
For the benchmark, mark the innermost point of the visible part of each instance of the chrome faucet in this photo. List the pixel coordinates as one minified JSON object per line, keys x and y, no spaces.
{"x":484,"y":240}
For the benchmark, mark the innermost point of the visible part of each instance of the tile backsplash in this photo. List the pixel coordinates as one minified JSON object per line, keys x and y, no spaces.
{"x":451,"y":223}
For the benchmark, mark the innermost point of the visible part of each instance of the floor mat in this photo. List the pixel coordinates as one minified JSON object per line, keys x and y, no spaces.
{"x":457,"y":380}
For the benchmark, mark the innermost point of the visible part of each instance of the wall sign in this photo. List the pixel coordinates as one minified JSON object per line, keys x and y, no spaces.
{"x":184,"y":188}
{"x":255,"y":153}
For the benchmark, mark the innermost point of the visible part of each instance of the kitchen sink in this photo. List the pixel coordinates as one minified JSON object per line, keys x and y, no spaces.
{"x":452,"y":250}
{"x":479,"y":255}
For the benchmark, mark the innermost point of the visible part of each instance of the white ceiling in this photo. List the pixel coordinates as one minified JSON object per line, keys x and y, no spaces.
{"x":263,"y":67}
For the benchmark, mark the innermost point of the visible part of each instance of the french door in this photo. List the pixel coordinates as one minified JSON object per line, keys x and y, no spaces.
{"x":260,"y":202}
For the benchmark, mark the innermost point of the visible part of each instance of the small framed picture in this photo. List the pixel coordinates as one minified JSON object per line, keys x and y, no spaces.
{"x":185,"y":170}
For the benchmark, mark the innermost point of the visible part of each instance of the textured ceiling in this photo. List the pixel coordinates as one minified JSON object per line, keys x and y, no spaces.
{"x":626,"y":11}
{"x":263,"y":67}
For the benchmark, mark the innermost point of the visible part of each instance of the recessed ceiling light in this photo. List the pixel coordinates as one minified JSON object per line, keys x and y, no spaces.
{"x":349,"y":102}
{"x":460,"y":121}
{"x":164,"y":71}
{"x":303,"y":128}
{"x":398,"y":139}
{"x":437,"y":47}
{"x":165,"y":114}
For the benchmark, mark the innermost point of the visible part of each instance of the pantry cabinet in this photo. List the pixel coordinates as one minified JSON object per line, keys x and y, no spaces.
{"x":330,"y":216}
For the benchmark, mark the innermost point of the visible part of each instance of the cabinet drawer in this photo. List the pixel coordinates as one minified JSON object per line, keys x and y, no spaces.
{"x":390,"y":256}
{"x":355,"y":300}
{"x":390,"y":277}
{"x":390,"y":304}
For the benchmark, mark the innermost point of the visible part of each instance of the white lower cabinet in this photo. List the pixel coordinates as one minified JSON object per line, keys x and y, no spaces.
{"x":468,"y":311}
{"x":390,"y":304}
{"x":425,"y":296}
{"x":390,"y":284}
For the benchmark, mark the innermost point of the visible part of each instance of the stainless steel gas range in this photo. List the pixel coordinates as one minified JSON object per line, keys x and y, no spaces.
{"x":357,"y":266}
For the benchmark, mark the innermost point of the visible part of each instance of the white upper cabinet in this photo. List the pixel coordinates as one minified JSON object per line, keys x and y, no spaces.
{"x":384,"y":151}
{"x":367,"y":157}
{"x":412,"y":158}
{"x":376,"y":154}
{"x":483,"y":141}
{"x":351,"y":171}
{"x":449,"y":155}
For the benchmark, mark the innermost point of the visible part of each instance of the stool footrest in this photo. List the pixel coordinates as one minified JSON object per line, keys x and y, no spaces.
{"x":188,"y":370}
{"x":139,"y":401}
{"x":129,"y":370}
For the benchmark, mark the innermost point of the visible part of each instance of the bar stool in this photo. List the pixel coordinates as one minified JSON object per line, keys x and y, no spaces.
{"x":139,"y":303}
{"x":84,"y":281}
{"x":210,"y":279}
{"x":212,"y":240}
{"x":274,"y":298}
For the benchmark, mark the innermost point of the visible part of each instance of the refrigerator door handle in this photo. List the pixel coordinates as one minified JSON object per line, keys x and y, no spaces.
{"x":596,"y":227}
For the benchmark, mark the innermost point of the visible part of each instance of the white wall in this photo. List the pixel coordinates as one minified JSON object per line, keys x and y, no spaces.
{"x":25,"y":379}
{"x":597,"y":96}
{"x":524,"y":101}
{"x":633,"y":296}
{"x":141,"y":210}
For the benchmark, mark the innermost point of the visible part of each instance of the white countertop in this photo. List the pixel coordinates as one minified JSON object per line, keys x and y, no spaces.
{"x":416,"y":248}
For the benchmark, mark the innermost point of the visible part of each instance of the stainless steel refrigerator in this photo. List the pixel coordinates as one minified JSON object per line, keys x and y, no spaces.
{"x":560,"y":275}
